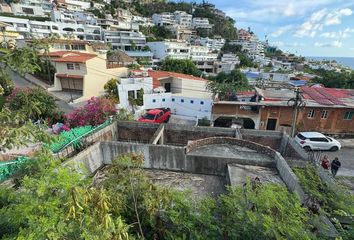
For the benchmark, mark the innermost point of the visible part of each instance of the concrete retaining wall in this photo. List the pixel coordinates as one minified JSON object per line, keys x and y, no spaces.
{"x":177,"y":134}
{"x":289,"y":148}
{"x":109,"y":133}
{"x":136,"y":131}
{"x":289,"y":177}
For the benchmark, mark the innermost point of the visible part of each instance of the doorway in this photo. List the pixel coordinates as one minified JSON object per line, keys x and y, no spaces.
{"x":271,"y":124}
{"x":168,"y":87}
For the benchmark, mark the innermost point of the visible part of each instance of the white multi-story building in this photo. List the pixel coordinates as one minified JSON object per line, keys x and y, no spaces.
{"x":116,"y":25}
{"x":228,"y":62}
{"x":253,"y":47}
{"x":28,"y":29}
{"x":124,"y":14}
{"x":202,"y":58}
{"x":125,"y":40}
{"x":27,"y":9}
{"x":214,"y":44}
{"x":172,"y":49}
{"x":143,"y":21}
{"x":201,"y":23}
{"x":163,"y":19}
{"x":65,"y":16}
{"x":183,"y":19}
{"x":74,"y":5}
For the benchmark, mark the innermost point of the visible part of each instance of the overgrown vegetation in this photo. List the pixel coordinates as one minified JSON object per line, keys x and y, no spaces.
{"x":333,"y":200}
{"x":58,"y":203}
{"x":185,"y":66}
{"x":156,"y":33}
{"x":34,"y":103}
{"x":332,"y":79}
{"x":226,"y":85}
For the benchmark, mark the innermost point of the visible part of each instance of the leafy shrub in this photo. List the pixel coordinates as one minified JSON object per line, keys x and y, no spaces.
{"x":6,"y":84}
{"x":95,"y":112}
{"x":35,"y":103}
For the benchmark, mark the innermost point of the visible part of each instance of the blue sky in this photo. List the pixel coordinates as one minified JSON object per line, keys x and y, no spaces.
{"x":305,"y":27}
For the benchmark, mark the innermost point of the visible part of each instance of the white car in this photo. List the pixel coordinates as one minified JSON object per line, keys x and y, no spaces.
{"x":317,"y":141}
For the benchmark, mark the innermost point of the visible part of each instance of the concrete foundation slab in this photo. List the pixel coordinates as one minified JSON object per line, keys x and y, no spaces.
{"x":238,"y":174}
{"x":200,"y":185}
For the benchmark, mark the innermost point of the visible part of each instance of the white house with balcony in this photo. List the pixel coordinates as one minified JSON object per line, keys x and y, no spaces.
{"x":228,"y":62}
{"x":200,"y":22}
{"x":214,"y":44}
{"x":65,"y":16}
{"x":163,"y":19}
{"x":74,"y":5}
{"x":30,"y":8}
{"x":116,"y":25}
{"x":172,"y":49}
{"x":28,"y":29}
{"x":125,"y":40}
{"x":203,"y":59}
{"x":183,"y":19}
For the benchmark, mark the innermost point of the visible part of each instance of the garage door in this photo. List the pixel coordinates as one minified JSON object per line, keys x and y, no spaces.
{"x":71,"y":84}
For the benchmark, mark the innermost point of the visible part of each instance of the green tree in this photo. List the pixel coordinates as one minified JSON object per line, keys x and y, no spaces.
{"x":111,"y":89}
{"x":257,"y":211}
{"x":225,"y":84}
{"x":34,"y":103}
{"x":180,"y":66}
{"x":16,"y":130}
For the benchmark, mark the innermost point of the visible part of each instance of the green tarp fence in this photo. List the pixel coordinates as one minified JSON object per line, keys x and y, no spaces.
{"x":75,"y":135}
{"x":7,"y":169}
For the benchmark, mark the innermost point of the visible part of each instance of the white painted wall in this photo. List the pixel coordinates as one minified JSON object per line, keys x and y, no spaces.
{"x":132,"y":84}
{"x":181,"y":106}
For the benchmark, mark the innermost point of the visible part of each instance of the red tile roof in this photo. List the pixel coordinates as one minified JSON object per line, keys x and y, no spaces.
{"x":159,"y":75}
{"x":69,"y":76}
{"x":70,"y":56}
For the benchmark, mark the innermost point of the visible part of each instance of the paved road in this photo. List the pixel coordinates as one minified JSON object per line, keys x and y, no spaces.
{"x":19,"y":81}
{"x":346,"y":157}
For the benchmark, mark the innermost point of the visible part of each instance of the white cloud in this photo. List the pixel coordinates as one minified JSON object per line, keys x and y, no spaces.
{"x":312,"y":25}
{"x":278,"y":43}
{"x":281,"y":30}
{"x":334,"y":44}
{"x":261,"y":11}
{"x":340,"y":34}
{"x":319,"y":19}
{"x":295,"y":44}
{"x":335,"y":17}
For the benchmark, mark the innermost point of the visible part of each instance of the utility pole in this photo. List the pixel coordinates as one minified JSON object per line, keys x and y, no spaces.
{"x":296,"y":103}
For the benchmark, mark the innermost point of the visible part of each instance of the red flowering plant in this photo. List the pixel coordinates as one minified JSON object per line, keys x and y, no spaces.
{"x":95,"y":112}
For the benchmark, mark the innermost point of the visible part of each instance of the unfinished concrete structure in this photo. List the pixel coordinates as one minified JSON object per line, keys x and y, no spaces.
{"x":231,"y":154}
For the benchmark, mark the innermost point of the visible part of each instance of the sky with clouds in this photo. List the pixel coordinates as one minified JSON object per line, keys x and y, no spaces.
{"x":305,"y":27}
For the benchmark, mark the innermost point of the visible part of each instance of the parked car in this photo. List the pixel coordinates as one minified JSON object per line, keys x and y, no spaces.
{"x":157,"y":115}
{"x":317,"y":141}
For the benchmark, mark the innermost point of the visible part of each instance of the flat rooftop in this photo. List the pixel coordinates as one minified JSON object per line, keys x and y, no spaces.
{"x":200,"y":185}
